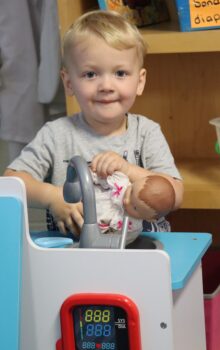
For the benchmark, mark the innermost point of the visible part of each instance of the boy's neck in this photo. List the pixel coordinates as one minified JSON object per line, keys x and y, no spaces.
{"x":110,"y":129}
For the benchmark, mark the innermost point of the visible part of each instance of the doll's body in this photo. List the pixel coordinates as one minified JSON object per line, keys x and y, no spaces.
{"x":109,"y":194}
{"x":146,"y":199}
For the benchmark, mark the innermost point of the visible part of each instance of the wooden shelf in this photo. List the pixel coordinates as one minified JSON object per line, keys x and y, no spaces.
{"x":167,"y":38}
{"x":201,"y":182}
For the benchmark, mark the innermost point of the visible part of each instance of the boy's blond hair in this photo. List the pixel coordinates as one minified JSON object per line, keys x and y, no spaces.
{"x":108,"y":25}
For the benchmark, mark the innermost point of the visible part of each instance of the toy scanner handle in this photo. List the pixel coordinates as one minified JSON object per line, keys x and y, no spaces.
{"x":79,"y":186}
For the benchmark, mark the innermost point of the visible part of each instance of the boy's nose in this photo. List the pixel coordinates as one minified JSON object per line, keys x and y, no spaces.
{"x":106,"y":84}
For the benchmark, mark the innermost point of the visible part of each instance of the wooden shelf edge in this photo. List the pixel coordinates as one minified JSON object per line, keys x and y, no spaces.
{"x":201,"y":182}
{"x":167,"y":38}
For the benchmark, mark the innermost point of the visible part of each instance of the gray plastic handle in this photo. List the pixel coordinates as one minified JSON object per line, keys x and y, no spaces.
{"x":79,"y":186}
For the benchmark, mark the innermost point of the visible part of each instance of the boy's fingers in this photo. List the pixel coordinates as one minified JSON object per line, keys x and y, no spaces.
{"x":95,"y":161}
{"x":106,"y":166}
{"x":100,"y":166}
{"x":99,"y":159}
{"x":112,"y":167}
{"x":106,"y":163}
{"x":72,"y":227}
{"x":61,"y":227}
{"x":80,"y":208}
{"x":77,"y":218}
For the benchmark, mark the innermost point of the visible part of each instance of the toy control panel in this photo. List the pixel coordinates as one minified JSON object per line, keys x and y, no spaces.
{"x":99,"y":321}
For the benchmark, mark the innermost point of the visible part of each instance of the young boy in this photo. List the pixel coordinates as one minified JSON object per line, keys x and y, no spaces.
{"x":103,"y":68}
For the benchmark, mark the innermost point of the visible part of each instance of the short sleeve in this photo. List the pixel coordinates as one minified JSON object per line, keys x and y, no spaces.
{"x":155,"y":153}
{"x":37,"y":157}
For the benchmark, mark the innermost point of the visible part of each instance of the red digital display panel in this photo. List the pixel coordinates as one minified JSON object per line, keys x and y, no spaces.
{"x":99,"y":321}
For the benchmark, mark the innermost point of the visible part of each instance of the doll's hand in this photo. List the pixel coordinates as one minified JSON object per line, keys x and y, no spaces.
{"x":106,"y":163}
{"x":68,"y":216}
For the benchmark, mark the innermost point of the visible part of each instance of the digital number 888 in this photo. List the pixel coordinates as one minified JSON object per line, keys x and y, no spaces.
{"x":97,"y":316}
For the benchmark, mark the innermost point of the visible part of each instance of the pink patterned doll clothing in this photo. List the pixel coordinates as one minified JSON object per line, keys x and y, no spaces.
{"x":109,"y":194}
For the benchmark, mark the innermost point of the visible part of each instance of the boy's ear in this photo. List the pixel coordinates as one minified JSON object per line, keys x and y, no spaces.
{"x":142,"y":80}
{"x":66,"y":82}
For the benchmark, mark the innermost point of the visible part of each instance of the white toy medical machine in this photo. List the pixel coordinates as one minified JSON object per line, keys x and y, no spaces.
{"x":90,"y":296}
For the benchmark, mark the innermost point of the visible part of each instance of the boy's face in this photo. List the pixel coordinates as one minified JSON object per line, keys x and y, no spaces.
{"x":104,"y":80}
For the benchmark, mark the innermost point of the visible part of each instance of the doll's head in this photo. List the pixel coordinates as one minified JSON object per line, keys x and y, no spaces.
{"x":150,"y":198}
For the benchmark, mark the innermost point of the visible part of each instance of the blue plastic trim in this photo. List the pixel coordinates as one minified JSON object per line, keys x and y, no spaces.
{"x":11,"y":219}
{"x":53,"y":242}
{"x":185,"y":251}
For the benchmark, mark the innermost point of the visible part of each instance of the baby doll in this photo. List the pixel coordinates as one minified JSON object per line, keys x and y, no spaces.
{"x":146,"y":199}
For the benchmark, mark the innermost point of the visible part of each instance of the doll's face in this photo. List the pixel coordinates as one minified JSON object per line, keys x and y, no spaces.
{"x":136,"y":207}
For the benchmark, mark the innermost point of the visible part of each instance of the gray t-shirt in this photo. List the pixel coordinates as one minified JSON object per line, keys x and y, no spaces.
{"x":46,"y":157}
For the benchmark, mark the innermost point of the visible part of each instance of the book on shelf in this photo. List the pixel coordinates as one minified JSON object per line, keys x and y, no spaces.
{"x":138,"y":12}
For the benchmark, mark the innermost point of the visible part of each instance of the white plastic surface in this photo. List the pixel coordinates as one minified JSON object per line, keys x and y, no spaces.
{"x":189,"y":326}
{"x":52,"y":275}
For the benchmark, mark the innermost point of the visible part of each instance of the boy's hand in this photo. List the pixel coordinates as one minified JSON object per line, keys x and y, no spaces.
{"x":68,"y":216}
{"x":106,"y":163}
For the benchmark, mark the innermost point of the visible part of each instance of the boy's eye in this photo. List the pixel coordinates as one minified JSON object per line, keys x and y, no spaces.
{"x":89,"y":75}
{"x":121,"y":73}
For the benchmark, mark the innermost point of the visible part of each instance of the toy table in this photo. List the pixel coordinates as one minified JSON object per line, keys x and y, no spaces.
{"x":166,"y":285}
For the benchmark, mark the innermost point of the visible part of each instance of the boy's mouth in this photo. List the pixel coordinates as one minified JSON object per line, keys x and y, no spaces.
{"x":105,"y":102}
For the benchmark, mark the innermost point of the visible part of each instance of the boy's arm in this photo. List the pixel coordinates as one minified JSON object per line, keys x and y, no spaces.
{"x":106,"y":163}
{"x":39,"y":194}
{"x":48,"y":196}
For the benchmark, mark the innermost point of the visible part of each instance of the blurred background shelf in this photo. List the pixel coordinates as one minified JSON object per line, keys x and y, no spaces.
{"x":202,"y":183}
{"x":167,"y":38}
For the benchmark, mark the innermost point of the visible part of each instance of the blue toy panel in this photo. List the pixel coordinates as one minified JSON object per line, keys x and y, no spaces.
{"x":185,"y":251}
{"x":52,"y":239}
{"x":11,"y":216}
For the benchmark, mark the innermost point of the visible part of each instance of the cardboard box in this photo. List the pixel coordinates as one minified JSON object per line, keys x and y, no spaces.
{"x":198,"y":14}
